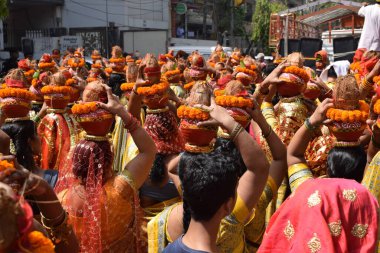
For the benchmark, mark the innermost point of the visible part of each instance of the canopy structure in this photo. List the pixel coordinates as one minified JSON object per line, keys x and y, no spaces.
{"x":329,"y":14}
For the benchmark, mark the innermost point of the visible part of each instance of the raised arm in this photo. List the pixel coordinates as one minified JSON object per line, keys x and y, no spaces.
{"x":135,"y":100}
{"x":278,"y":167}
{"x":253,"y":181}
{"x":139,"y":166}
{"x":53,"y":216}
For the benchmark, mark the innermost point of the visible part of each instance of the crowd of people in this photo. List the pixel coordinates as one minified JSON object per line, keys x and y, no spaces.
{"x":177,"y":153}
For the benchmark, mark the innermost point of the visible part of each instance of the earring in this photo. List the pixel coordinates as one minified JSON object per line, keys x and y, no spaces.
{"x":12,"y":148}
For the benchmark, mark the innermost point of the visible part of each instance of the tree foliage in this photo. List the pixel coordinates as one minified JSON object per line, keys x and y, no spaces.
{"x":261,"y":20}
{"x":3,"y":9}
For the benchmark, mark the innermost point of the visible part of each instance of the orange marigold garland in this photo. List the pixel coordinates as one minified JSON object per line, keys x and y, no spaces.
{"x":127,"y":86}
{"x":16,"y":92}
{"x":46,"y":65}
{"x":108,"y":70}
{"x":233,"y":101}
{"x":186,"y":112}
{"x":246,"y":71}
{"x":29,"y":73}
{"x":117,"y":60}
{"x":74,"y":64}
{"x":84,"y":108}
{"x":38,"y":243}
{"x":154,"y":89}
{"x":376,"y":107}
{"x":51,"y":89}
{"x":96,"y":66}
{"x":349,"y":115}
{"x":300,"y":72}
{"x":218,"y":93}
{"x":171,"y":73}
{"x":6,"y":167}
{"x":70,"y":82}
{"x":188,"y":86}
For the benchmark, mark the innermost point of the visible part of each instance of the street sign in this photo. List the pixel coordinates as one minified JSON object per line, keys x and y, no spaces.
{"x":181,"y":8}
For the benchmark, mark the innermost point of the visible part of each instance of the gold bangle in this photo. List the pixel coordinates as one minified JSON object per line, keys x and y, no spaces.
{"x":59,"y":233}
{"x":54,"y":219}
{"x":154,"y":111}
{"x":235,"y":130}
{"x":238,"y":132}
{"x":34,"y":187}
{"x":268,"y":134}
{"x":11,"y":120}
{"x":95,"y":138}
{"x":346,"y":144}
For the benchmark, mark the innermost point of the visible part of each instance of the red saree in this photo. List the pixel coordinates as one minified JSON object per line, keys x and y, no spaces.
{"x":58,"y":133}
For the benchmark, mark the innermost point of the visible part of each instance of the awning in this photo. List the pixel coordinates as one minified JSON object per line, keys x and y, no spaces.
{"x":328,"y":14}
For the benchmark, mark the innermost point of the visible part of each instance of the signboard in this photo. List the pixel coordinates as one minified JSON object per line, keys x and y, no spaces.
{"x":70,"y":41}
{"x":181,"y":8}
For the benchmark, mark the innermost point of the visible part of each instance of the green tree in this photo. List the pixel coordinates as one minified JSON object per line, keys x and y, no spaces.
{"x":3,"y":9}
{"x":261,"y":21}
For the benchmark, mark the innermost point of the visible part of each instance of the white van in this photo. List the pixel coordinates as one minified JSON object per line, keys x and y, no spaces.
{"x":204,"y":51}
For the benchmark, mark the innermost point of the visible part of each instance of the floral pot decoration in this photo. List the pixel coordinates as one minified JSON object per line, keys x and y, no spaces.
{"x":16,"y":102}
{"x":349,"y":114}
{"x":376,"y":109}
{"x":155,"y":96}
{"x":245,"y":75}
{"x":56,"y":97}
{"x":294,"y":80}
{"x":312,"y":91}
{"x":235,"y":106}
{"x":198,"y":139}
{"x":95,"y":121}
{"x":172,"y":76}
{"x":127,"y":89}
{"x":46,"y":63}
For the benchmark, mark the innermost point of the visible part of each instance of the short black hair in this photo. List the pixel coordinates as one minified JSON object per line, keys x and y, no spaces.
{"x":208,"y":181}
{"x":347,"y":162}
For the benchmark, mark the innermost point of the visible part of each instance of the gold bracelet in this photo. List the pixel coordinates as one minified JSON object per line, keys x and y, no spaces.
{"x":268,"y":134}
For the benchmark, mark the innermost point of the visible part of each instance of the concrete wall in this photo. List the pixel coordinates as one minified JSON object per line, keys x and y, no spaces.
{"x":127,"y":14}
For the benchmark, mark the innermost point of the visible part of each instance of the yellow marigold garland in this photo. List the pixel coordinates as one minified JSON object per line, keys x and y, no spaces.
{"x":38,"y":243}
{"x":17,"y":92}
{"x":127,"y":86}
{"x":154,"y":89}
{"x":300,"y":72}
{"x":51,"y":89}
{"x":218,"y":93}
{"x":349,"y":115}
{"x":188,"y":86}
{"x":187,"y":112}
{"x":233,"y":101}
{"x":84,"y":108}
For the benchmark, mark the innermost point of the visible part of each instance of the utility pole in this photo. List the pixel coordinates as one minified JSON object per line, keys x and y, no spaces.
{"x":204,"y":19}
{"x":232,"y":24}
{"x":107,"y":42}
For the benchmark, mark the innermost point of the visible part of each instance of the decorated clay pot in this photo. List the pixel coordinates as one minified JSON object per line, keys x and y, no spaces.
{"x":244,"y":78}
{"x":346,"y":131}
{"x":312,"y":91}
{"x":57,"y":101}
{"x":96,"y":123}
{"x":240,"y":116}
{"x":174,"y":79}
{"x":14,"y":107}
{"x":197,"y":74}
{"x":198,"y":136}
{"x":290,"y":86}
{"x":75,"y":95}
{"x":156,"y":101}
